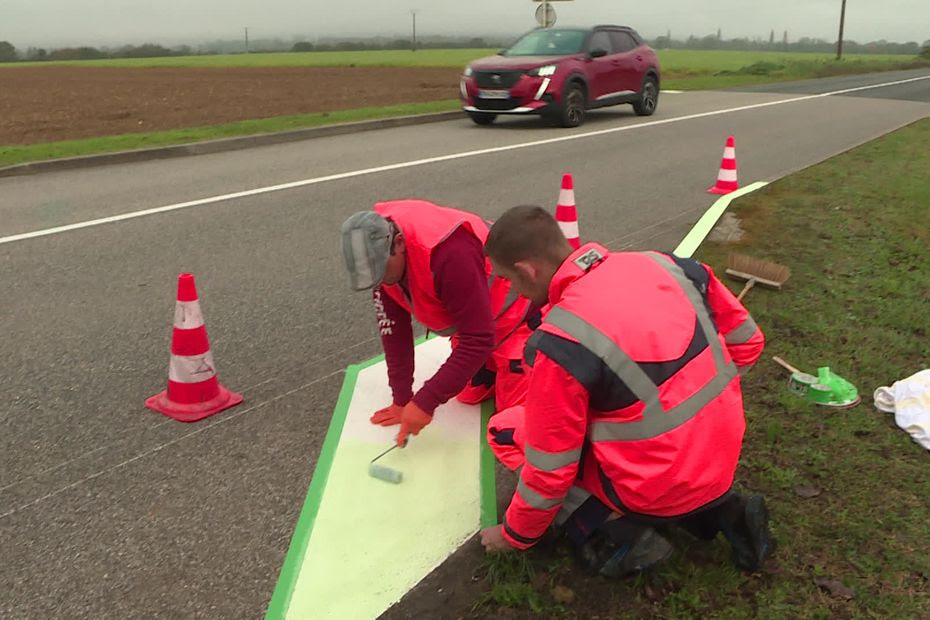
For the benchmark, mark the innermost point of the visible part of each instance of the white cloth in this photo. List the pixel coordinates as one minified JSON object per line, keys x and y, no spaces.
{"x":909,"y":401}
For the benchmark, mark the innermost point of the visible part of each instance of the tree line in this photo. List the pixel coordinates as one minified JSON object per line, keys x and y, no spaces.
{"x":8,"y":53}
{"x":782,"y":43}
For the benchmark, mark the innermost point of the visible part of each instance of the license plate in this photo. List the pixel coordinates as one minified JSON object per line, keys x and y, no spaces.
{"x":494,"y":94}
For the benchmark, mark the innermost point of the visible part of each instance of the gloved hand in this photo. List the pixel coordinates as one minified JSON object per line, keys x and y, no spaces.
{"x":389,"y":416}
{"x":412,"y":421}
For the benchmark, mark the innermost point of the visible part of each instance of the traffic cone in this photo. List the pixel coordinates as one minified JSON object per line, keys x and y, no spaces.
{"x":194,"y":392}
{"x":566,"y":214}
{"x":726,"y":178}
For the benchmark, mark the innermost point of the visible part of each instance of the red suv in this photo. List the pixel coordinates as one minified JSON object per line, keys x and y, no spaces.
{"x":563,"y":72}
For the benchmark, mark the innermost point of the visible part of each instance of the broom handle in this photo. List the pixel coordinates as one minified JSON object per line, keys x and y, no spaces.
{"x":751,"y":283}
{"x":785,"y":364}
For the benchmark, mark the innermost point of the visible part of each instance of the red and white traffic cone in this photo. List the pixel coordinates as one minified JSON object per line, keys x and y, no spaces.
{"x":194,"y":392}
{"x":726,"y":178}
{"x":566,"y":213}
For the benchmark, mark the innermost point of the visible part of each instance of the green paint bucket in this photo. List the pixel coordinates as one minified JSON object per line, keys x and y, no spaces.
{"x":827,"y":388}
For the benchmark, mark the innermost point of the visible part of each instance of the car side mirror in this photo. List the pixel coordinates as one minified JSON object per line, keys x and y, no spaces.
{"x":598,"y":52}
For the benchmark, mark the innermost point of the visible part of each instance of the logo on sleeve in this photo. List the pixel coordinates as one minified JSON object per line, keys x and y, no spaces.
{"x":588,"y":259}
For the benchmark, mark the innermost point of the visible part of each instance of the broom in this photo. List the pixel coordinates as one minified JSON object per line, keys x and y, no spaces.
{"x":756,"y":271}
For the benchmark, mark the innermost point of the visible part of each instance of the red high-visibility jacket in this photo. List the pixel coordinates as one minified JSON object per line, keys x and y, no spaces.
{"x":634,"y":394}
{"x":424,"y":226}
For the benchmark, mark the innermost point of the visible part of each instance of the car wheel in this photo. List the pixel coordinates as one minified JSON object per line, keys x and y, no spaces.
{"x":482,"y":118}
{"x":648,"y":98}
{"x":574,"y":103}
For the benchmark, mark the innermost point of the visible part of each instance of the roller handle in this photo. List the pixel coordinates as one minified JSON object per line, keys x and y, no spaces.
{"x":383,"y":453}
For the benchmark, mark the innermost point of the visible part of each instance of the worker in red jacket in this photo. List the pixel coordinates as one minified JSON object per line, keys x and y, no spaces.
{"x":634,"y":414}
{"x":428,"y":261}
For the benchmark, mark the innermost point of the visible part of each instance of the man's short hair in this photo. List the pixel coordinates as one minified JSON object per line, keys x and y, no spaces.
{"x":526,"y":232}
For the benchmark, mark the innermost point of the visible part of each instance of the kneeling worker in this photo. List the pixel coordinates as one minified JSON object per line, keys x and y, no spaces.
{"x":634,"y":413}
{"x":428,"y":261}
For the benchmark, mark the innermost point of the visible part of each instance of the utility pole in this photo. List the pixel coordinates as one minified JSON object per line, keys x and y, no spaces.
{"x":246,"y":40}
{"x":839,"y":44}
{"x":414,"y":14}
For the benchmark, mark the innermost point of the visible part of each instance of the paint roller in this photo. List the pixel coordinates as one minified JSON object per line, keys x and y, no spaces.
{"x":383,"y":472}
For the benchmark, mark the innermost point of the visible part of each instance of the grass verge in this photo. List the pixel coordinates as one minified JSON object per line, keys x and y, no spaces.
{"x":701,"y":71}
{"x":847,"y":489}
{"x":18,"y":154}
{"x":675,"y":63}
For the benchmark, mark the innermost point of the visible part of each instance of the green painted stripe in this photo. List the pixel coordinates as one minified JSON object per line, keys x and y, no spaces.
{"x":293,"y":561}
{"x":702,"y":228}
{"x":281,"y":599}
{"x":486,"y":470}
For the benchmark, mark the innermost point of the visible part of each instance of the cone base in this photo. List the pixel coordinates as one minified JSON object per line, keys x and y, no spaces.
{"x":198,"y":411}
{"x":720,"y":191}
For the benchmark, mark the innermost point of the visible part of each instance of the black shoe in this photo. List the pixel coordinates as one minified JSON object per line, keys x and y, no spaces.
{"x":603,"y":555}
{"x":749,"y":534}
{"x":649,"y":549}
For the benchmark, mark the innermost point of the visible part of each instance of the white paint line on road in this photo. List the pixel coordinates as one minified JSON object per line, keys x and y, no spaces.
{"x":431,"y":160}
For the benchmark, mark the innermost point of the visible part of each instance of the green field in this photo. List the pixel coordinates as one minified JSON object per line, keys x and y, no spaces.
{"x":698,"y":70}
{"x":707,"y":61}
{"x":675,"y":63}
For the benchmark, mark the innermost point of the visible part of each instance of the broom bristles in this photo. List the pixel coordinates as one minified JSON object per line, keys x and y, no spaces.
{"x":761,"y":270}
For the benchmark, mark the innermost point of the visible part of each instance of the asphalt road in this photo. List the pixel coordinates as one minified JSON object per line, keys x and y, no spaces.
{"x":110,"y":510}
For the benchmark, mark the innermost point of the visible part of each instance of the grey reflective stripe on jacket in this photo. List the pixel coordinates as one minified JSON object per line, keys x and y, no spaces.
{"x":534,"y":499}
{"x":551,"y":461}
{"x":656,"y":419}
{"x":743,"y":332}
{"x":509,"y":300}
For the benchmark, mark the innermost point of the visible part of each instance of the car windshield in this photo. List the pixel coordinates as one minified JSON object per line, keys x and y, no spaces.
{"x":548,"y":42}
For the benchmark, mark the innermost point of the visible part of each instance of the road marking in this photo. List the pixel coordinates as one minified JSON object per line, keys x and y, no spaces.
{"x":706,"y":223}
{"x":431,"y":160}
{"x":332,"y":531}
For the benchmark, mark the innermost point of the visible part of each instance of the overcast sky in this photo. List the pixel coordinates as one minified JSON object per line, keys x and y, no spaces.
{"x":107,"y":22}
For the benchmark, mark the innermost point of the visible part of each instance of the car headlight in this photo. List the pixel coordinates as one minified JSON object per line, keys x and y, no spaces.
{"x":544,"y":71}
{"x":468,"y":71}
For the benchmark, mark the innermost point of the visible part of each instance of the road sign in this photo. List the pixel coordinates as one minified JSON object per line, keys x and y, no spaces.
{"x":545,"y":15}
